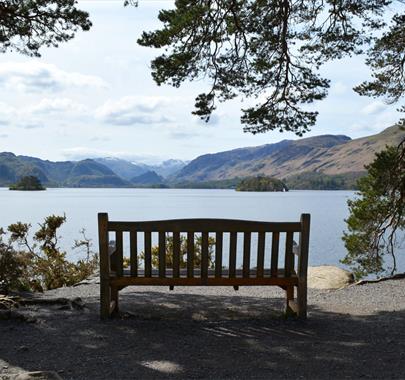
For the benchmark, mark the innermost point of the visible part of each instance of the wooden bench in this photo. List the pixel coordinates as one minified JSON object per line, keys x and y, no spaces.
{"x":292,"y":275}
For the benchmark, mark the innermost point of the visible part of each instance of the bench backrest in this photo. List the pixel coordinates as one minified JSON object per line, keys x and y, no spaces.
{"x":113,"y":260}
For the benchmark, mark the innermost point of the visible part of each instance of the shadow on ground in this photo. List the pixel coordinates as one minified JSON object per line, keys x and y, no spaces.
{"x":197,"y":336}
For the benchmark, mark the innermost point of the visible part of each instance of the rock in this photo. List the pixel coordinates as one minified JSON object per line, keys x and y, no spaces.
{"x":22,"y":349}
{"x":38,"y":375}
{"x":329,"y":277}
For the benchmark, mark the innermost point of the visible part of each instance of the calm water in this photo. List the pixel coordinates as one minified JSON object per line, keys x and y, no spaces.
{"x":328,"y":210}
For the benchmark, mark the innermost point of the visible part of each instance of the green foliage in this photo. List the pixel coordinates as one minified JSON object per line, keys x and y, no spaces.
{"x":28,"y":25}
{"x":321,"y":181}
{"x":41,"y":265}
{"x":386,"y":58}
{"x":377,"y":216}
{"x":214,"y":184}
{"x":270,"y":50}
{"x":12,"y":266}
{"x":28,"y":183}
{"x":261,"y":183}
{"x":183,"y":252}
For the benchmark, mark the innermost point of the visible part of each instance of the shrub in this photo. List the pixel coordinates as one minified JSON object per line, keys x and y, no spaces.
{"x":12,"y":267}
{"x":183,"y":252}
{"x":41,"y":265}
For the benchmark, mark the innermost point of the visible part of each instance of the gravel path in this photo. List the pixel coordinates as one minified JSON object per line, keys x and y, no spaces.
{"x":356,"y":332}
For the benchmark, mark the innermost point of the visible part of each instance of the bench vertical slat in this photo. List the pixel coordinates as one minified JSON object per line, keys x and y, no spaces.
{"x":260,"y":254}
{"x":218,"y":254}
{"x":204,"y":255}
{"x":133,"y":244}
{"x":119,"y":254}
{"x":162,"y":255}
{"x":190,"y":254}
{"x":176,"y":254}
{"x":274,"y":253}
{"x":289,"y":255}
{"x":246,"y":254}
{"x":148,"y":254}
{"x":232,"y":254}
{"x":105,"y":291}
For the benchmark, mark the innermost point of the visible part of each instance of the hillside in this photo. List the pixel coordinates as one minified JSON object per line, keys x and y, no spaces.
{"x":320,"y":162}
{"x":128,"y":170}
{"x":328,"y":154}
{"x":125,"y":169}
{"x":149,"y":178}
{"x":85,"y":173}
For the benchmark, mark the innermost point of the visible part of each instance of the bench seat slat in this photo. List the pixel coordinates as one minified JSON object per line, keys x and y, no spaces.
{"x":211,"y":273}
{"x":198,"y":281}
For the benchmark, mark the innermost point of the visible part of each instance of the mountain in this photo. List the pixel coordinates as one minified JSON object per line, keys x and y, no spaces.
{"x":148,"y":178}
{"x":85,"y":173}
{"x":168,"y":168}
{"x":125,"y":169}
{"x":320,"y":162}
{"x":128,"y":170}
{"x":327,"y":154}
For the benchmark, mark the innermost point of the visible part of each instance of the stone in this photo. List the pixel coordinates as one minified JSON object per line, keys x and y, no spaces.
{"x":329,"y":277}
{"x":37,"y":375}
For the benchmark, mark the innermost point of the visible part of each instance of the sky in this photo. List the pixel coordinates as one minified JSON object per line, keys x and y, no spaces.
{"x":94,"y":97}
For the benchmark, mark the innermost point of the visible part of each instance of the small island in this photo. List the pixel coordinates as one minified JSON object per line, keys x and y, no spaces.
{"x":28,"y":183}
{"x":261,"y":183}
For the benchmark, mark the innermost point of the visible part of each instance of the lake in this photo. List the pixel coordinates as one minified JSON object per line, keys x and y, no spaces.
{"x":328,"y":210}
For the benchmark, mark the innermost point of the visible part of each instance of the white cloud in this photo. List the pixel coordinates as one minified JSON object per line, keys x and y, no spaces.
{"x":7,"y":113}
{"x":338,"y":88}
{"x":373,"y":108}
{"x":37,"y":115}
{"x":377,"y":123}
{"x":57,"y":105}
{"x":132,"y":110}
{"x":36,"y":76}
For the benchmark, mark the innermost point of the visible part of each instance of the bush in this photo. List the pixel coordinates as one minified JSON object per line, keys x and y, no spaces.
{"x":41,"y":265}
{"x":183,"y":252}
{"x":261,"y":183}
{"x":12,"y":267}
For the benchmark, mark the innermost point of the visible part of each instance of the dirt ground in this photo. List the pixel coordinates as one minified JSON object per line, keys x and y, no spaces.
{"x":356,"y":332}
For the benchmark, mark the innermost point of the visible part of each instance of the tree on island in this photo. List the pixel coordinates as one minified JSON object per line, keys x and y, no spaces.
{"x":261,"y":183}
{"x":28,"y":183}
{"x":272,"y":50}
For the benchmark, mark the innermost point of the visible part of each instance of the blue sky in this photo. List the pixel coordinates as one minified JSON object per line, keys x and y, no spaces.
{"x":94,"y":96}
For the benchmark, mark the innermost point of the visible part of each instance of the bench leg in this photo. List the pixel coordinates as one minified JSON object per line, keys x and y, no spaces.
{"x":302,"y":299}
{"x":289,"y":290}
{"x":105,"y":299}
{"x":114,"y":300}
